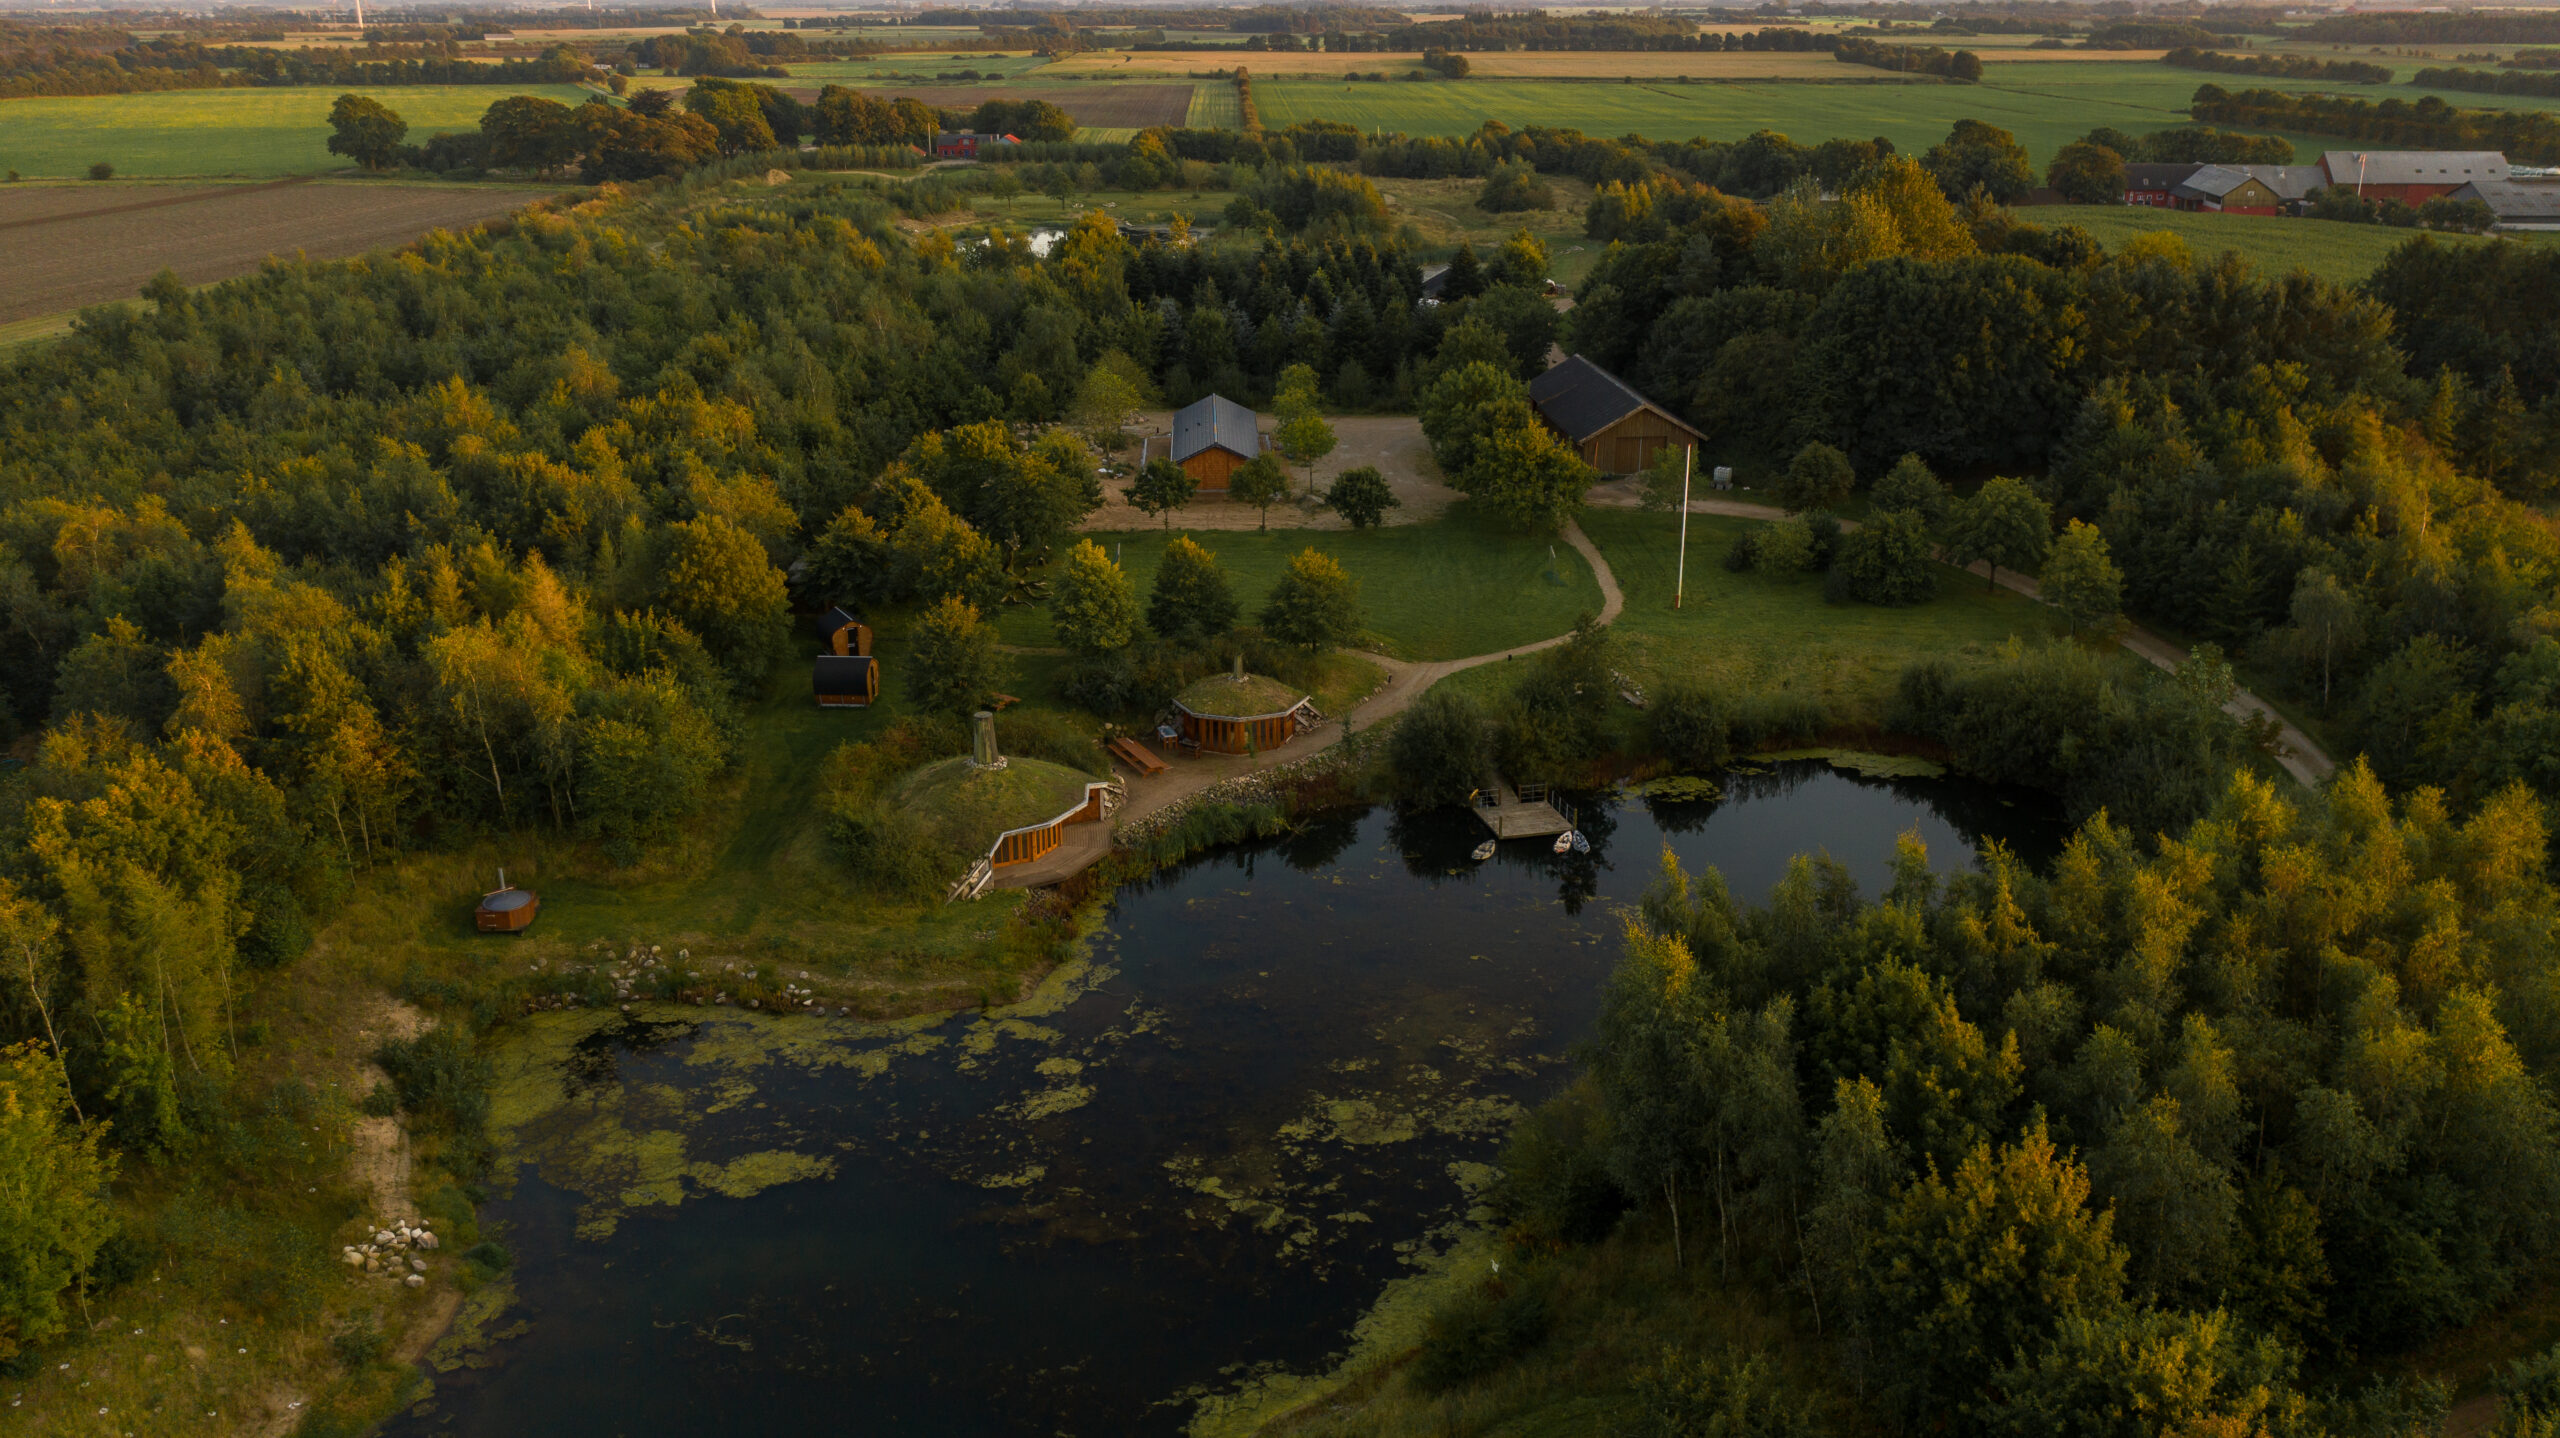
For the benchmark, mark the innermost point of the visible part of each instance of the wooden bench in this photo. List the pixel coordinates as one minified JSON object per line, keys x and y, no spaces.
{"x":1137,"y":756}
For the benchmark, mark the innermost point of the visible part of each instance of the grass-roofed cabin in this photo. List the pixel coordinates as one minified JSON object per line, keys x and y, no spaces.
{"x":1010,"y":812}
{"x":1240,"y":713}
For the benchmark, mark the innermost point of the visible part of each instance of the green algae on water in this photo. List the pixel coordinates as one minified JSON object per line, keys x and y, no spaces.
{"x":1866,"y":764}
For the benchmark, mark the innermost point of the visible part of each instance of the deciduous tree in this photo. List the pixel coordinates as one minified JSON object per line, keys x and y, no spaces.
{"x":54,"y":1214}
{"x":1259,"y":482}
{"x":1819,"y":477}
{"x":2080,"y":578}
{"x":1161,"y":488}
{"x":952,"y":657}
{"x":1092,"y":604}
{"x":1361,"y":496}
{"x":1315,"y":604}
{"x":366,"y":131}
{"x":1305,"y":438}
{"x":2003,"y":525}
{"x":1191,"y":599}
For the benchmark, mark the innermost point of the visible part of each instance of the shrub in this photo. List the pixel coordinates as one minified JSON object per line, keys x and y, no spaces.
{"x":1735,"y":1395}
{"x":890,"y":853}
{"x":1745,"y":553}
{"x":99,"y":171}
{"x":1439,"y":750}
{"x":443,"y":1084}
{"x":1777,"y":720}
{"x":1688,"y":726}
{"x":1819,"y":477}
{"x":1556,"y":717}
{"x":1784,"y":548}
{"x":1887,"y":561}
{"x":278,"y":933}
{"x":1478,"y":1332}
{"x":1555,"y":1171}
{"x":1910,"y":486}
{"x":1824,"y":528}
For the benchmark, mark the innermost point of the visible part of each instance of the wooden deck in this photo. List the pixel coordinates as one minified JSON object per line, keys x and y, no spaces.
{"x":1522,"y":814}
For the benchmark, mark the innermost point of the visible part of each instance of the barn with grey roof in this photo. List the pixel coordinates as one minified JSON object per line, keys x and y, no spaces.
{"x":1617,"y":430}
{"x":1213,"y":438}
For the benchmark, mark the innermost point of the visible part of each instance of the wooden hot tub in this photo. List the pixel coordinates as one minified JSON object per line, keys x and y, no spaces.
{"x":508,"y":911}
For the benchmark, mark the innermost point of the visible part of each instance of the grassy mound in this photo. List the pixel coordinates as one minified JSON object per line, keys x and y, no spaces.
{"x":1223,"y":696}
{"x":964,"y":809}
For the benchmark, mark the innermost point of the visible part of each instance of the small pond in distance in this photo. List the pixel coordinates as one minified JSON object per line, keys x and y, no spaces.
{"x":1274,"y":1087}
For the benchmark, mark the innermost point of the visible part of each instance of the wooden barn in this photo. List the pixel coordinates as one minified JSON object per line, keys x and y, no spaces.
{"x":1241,"y":714}
{"x":1213,"y":438}
{"x":1618,"y":430}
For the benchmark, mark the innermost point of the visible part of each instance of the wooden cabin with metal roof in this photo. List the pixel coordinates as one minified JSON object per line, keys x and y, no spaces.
{"x":1617,"y":430}
{"x":1215,"y":437}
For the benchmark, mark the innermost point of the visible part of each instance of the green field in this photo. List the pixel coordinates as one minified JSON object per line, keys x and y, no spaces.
{"x":2047,"y":104}
{"x":2327,"y":248}
{"x":1215,"y":106}
{"x":1431,"y":591}
{"x":250,"y":133}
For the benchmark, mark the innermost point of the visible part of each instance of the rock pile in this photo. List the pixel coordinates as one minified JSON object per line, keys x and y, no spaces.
{"x":392,"y":1249}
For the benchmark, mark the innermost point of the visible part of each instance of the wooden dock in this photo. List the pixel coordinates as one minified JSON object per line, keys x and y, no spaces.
{"x":1526,"y":813}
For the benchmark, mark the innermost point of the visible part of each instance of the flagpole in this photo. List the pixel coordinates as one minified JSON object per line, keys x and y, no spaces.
{"x":1680,"y":585}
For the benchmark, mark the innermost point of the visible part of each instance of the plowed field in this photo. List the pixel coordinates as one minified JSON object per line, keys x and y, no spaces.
{"x":71,"y":245}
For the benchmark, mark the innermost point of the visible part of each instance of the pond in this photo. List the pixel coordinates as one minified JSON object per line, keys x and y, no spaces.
{"x":1274,"y":1087}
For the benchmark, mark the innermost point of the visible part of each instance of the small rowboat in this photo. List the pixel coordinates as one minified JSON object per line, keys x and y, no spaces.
{"x":1483,"y":851}
{"x":1581,"y":845}
{"x":1564,"y":841}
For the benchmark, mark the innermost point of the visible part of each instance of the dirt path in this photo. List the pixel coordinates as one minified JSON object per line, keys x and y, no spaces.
{"x":2300,"y":756}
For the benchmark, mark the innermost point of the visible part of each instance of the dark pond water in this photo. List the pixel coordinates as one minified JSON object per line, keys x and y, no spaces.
{"x":1292,"y":1059}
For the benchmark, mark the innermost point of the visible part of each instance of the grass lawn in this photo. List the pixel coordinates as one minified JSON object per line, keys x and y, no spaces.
{"x":259,"y":133}
{"x":2330,"y":249}
{"x":1430,"y":591}
{"x":1739,"y":632}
